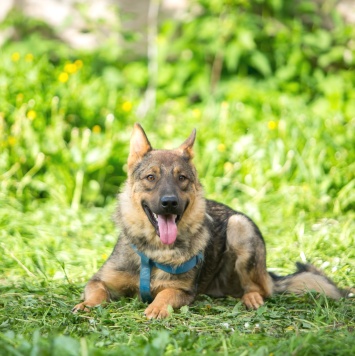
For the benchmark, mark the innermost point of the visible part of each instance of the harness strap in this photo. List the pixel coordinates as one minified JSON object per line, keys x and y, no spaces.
{"x":146,"y":268}
{"x":144,"y":278}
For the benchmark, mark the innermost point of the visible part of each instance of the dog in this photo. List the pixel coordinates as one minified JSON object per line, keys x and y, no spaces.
{"x":174,"y":244}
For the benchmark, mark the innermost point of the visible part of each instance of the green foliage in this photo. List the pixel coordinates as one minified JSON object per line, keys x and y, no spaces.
{"x":289,"y":43}
{"x":59,"y":129}
{"x":65,"y":115}
{"x":269,"y":85}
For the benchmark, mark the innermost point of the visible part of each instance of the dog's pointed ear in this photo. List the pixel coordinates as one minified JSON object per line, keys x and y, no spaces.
{"x":139,"y":147}
{"x":187,"y":147}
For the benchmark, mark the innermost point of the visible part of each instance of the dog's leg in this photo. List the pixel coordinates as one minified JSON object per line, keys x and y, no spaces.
{"x":245,"y":241}
{"x":174,"y":297}
{"x":95,"y":293}
{"x":108,"y":283}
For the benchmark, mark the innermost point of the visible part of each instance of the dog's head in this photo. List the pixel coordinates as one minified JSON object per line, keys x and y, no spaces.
{"x":163,"y":182}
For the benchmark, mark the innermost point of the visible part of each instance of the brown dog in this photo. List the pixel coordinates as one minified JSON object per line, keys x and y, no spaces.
{"x":175,"y":244}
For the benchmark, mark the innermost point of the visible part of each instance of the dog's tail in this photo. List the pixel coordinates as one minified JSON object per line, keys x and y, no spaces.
{"x":308,"y":278}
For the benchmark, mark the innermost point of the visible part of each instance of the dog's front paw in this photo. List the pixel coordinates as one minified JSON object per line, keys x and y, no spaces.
{"x":157,"y":311}
{"x":252,"y":300}
{"x":84,"y":306}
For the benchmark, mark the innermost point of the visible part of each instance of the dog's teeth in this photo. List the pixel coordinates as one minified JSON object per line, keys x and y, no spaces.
{"x":155,"y":215}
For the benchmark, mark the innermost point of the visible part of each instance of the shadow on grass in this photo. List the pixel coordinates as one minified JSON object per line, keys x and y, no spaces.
{"x":36,"y":319}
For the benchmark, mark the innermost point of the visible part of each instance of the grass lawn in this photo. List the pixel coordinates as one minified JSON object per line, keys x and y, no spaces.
{"x":50,"y":252}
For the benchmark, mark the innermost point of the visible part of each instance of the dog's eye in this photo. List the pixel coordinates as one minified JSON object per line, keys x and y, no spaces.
{"x":150,"y":178}
{"x":182,"y":178}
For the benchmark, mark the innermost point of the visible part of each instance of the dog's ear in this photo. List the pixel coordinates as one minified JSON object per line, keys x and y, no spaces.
{"x":139,"y":147}
{"x":187,"y":147}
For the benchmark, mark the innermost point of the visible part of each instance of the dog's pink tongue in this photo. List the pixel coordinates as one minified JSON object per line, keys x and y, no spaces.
{"x":167,"y":228}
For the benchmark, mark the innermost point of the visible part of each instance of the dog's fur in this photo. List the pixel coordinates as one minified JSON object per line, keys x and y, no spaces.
{"x":165,"y":183}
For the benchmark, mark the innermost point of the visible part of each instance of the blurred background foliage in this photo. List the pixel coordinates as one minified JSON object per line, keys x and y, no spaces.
{"x":269,"y":84}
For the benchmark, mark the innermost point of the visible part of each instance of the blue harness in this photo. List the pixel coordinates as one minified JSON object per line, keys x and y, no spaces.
{"x":146,"y":268}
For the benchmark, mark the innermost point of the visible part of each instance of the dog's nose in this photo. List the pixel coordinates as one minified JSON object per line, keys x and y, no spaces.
{"x":169,"y":202}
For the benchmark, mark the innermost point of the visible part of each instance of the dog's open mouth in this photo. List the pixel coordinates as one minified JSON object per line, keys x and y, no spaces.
{"x":165,"y":225}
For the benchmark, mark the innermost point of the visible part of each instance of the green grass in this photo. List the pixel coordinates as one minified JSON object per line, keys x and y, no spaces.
{"x":49,"y":252}
{"x":282,"y":155}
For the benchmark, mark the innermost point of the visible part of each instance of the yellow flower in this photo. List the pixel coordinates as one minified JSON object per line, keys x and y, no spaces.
{"x":96,"y":129}
{"x":78,"y":63}
{"x":31,"y":115}
{"x":11,"y":140}
{"x":272,"y":125}
{"x":19,"y":97}
{"x":29,"y":57}
{"x":63,"y":77}
{"x":70,"y":68}
{"x":15,"y":56}
{"x":221,"y":147}
{"x":104,"y":256}
{"x":196,"y":113}
{"x":228,"y":166}
{"x":127,"y":106}
{"x":161,"y":39}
